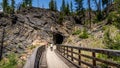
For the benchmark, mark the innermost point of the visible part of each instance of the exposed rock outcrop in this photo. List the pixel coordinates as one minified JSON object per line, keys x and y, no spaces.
{"x":31,"y":26}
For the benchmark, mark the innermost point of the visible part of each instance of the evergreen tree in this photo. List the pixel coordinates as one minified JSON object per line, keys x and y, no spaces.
{"x":117,"y":6}
{"x":30,"y":3}
{"x":89,"y":9}
{"x":79,"y":6}
{"x":53,"y":5}
{"x":67,"y":9}
{"x":0,"y":6}
{"x":63,"y":6}
{"x":56,"y":6}
{"x":27,"y":3}
{"x":5,"y":5}
{"x":71,"y":6}
{"x":13,"y":5}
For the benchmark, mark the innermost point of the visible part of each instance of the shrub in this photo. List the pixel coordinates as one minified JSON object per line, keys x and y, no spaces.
{"x":110,"y":43}
{"x":114,"y":18}
{"x":32,"y":47}
{"x":77,"y":32}
{"x":84,"y":35}
{"x":11,"y":61}
{"x":61,"y":18}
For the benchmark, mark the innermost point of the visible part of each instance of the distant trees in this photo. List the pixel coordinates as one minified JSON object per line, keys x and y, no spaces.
{"x":117,"y":4}
{"x":27,"y":3}
{"x":89,"y":10}
{"x":53,"y":5}
{"x":79,"y":6}
{"x":65,"y":8}
{"x":13,"y":5}
{"x":5,"y":5}
{"x":0,"y":6}
{"x":62,"y":8}
{"x":71,"y":7}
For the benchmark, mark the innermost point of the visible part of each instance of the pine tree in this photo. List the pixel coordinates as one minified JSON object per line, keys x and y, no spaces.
{"x":63,"y":6}
{"x":0,"y":6}
{"x":79,"y":6}
{"x":13,"y":5}
{"x":67,"y":9}
{"x":53,"y":5}
{"x":30,"y":3}
{"x":5,"y":5}
{"x":71,"y":6}
{"x":27,"y":3}
{"x":56,"y":6}
{"x":89,"y":10}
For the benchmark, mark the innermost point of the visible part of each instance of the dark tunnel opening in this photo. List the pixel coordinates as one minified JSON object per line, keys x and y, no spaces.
{"x":58,"y":38}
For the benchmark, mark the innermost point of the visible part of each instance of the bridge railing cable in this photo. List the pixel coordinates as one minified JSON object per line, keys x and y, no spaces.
{"x":76,"y":55}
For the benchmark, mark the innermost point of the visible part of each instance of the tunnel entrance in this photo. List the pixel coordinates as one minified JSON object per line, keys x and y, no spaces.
{"x":58,"y":38}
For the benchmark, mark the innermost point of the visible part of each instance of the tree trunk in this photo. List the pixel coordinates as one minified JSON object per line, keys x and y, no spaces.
{"x":89,"y":12}
{"x":2,"y":41}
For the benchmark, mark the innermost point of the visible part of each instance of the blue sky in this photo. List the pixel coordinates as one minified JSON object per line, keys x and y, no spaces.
{"x":45,"y":3}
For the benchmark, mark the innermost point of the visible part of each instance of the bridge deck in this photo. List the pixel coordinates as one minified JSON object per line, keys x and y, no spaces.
{"x":53,"y":60}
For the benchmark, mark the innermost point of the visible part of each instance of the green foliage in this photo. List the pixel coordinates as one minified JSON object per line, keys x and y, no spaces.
{"x":111,"y":42}
{"x":77,"y":32}
{"x":71,"y":7}
{"x":28,"y":3}
{"x":32,"y":47}
{"x":84,"y":35}
{"x":56,"y":6}
{"x":63,"y":6}
{"x":61,"y":18}
{"x":0,"y":6}
{"x":67,"y":9}
{"x":53,"y":5}
{"x":79,"y":6}
{"x":23,"y":5}
{"x":10,"y":62}
{"x":13,"y":5}
{"x":114,"y":18}
{"x":5,"y":5}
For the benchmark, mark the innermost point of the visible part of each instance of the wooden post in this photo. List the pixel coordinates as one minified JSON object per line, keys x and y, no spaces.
{"x":64,"y":50}
{"x":72,"y":54}
{"x":61,"y":50}
{"x":2,"y":41}
{"x":67,"y":51}
{"x":94,"y":61}
{"x":79,"y":51}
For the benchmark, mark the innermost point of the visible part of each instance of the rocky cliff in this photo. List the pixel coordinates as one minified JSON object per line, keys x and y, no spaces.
{"x":32,"y":27}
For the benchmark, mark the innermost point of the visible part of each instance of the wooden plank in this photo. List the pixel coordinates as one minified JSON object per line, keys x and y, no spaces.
{"x":54,"y":61}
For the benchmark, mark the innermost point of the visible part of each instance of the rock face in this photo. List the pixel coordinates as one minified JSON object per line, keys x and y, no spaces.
{"x":29,"y":25}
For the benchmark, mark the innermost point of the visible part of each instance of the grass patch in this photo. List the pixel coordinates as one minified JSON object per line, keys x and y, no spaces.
{"x":32,"y":47}
{"x":77,"y":32}
{"x":9,"y":62}
{"x":84,"y":34}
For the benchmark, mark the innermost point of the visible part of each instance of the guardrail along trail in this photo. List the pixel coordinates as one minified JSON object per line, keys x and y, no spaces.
{"x":73,"y":55}
{"x":76,"y":55}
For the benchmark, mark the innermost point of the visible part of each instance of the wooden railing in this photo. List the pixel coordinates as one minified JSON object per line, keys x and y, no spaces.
{"x":38,"y":56}
{"x":34,"y":60}
{"x":77,"y":55}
